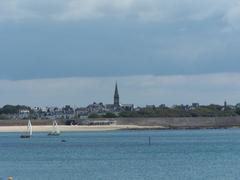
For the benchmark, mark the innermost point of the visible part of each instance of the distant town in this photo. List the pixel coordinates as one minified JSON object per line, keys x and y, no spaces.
{"x":116,"y":109}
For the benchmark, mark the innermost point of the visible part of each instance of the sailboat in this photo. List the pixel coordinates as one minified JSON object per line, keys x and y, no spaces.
{"x":28,"y":134}
{"x":55,"y":130}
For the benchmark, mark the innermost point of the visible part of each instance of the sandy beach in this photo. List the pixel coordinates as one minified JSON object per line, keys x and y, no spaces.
{"x":77,"y":128}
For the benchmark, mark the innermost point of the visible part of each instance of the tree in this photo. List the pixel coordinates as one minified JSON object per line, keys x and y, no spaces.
{"x":94,"y":116}
{"x":110,"y":115}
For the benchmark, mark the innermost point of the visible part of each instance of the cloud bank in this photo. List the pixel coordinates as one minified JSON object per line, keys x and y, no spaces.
{"x":140,"y":90}
{"x":42,"y":40}
{"x":226,"y":11}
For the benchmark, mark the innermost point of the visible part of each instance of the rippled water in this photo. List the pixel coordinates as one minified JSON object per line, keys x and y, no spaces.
{"x":122,"y":155}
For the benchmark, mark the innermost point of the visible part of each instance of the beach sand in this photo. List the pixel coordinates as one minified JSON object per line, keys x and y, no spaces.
{"x":77,"y":128}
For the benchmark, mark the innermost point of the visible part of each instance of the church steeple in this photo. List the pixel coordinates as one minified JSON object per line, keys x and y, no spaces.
{"x":116,"y":96}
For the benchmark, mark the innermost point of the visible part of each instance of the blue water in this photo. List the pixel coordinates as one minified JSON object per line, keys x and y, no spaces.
{"x":123,"y":155}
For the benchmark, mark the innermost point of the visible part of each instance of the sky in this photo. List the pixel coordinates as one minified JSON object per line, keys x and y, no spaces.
{"x":160,"y":52}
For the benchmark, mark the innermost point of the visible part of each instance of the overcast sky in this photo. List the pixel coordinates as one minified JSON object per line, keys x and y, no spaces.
{"x":72,"y":51}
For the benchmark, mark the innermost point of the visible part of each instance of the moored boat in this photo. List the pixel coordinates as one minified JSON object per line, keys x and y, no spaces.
{"x":28,"y":133}
{"x":55,"y":130}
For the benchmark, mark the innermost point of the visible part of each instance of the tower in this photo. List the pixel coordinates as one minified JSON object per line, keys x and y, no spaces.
{"x":116,"y":96}
{"x":225,"y":105}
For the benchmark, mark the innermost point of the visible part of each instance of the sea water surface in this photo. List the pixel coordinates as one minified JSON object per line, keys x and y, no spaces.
{"x":122,"y":155}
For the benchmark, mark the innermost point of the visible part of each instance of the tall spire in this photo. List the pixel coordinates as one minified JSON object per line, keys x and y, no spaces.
{"x":116,"y":96}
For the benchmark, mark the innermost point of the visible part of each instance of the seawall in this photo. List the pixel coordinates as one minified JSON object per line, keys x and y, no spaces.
{"x":183,"y":123}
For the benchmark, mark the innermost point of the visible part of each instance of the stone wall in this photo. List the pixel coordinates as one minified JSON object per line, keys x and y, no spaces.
{"x":188,"y":122}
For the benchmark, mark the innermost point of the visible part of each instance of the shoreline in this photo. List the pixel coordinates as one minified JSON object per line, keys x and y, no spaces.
{"x":78,"y":128}
{"x":64,"y":128}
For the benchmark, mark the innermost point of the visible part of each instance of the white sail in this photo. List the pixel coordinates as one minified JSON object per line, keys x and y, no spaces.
{"x":55,"y":129}
{"x":29,"y":128}
{"x":28,"y":134}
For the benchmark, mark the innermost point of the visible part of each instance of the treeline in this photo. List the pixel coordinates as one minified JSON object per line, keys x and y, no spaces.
{"x":11,"y":109}
{"x":181,"y":111}
{"x":107,"y":115}
{"x":177,"y":111}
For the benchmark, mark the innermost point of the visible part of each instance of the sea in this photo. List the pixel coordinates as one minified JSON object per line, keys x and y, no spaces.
{"x":123,"y":155}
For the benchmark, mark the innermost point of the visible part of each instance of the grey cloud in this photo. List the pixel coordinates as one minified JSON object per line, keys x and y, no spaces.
{"x":143,"y":10}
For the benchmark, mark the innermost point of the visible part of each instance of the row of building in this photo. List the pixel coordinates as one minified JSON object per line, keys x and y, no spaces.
{"x":69,"y":112}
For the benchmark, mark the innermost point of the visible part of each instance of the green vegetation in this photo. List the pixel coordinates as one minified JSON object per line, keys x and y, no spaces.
{"x":183,"y":111}
{"x":10,"y":109}
{"x":151,"y":111}
{"x":177,"y":111}
{"x":94,"y":116}
{"x":107,"y":115}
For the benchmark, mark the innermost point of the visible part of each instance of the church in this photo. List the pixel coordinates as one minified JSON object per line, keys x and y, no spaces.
{"x":116,"y":97}
{"x":117,"y":106}
{"x":100,"y":108}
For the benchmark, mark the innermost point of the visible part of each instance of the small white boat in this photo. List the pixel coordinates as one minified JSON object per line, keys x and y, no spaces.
{"x":28,"y":133}
{"x":55,"y":131}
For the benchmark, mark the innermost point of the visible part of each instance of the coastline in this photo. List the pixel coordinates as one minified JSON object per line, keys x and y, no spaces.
{"x":64,"y":128}
{"x":177,"y":123}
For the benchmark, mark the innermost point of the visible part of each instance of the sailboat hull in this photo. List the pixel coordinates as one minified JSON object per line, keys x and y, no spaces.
{"x":55,"y":131}
{"x":53,"y":134}
{"x":25,"y":136}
